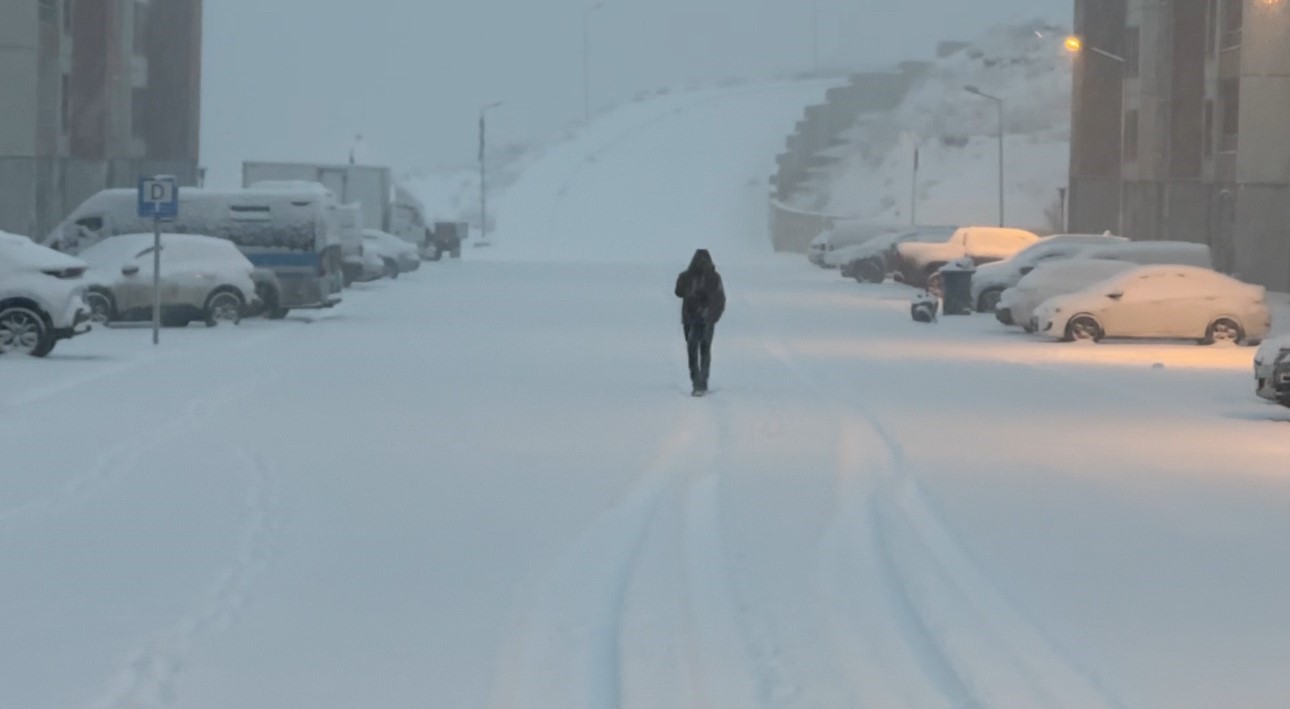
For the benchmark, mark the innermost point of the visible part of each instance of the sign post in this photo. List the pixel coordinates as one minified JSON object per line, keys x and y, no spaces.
{"x":158,"y":200}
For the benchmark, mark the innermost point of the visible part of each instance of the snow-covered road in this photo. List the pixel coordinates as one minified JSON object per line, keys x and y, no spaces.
{"x":485,"y":485}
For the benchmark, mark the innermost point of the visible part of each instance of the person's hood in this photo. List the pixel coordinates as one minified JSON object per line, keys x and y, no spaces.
{"x":702,"y":261}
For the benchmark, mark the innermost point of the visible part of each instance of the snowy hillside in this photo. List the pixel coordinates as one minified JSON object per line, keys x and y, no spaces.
{"x":684,"y":168}
{"x":955,"y":133}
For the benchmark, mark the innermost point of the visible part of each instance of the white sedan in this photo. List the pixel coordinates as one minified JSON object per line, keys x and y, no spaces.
{"x":1272,"y":370}
{"x":399,"y":256}
{"x":1017,"y":304}
{"x":992,"y":279}
{"x":1165,"y":302}
{"x":202,"y":278}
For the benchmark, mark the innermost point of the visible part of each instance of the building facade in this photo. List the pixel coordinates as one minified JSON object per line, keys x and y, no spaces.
{"x":1202,"y":150}
{"x":97,"y":93}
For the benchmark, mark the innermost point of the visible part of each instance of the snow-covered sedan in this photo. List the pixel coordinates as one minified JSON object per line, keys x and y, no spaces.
{"x":1017,"y":305}
{"x":398,"y":255}
{"x":919,"y":264}
{"x":870,"y":262}
{"x":41,"y":297}
{"x":1272,"y":370}
{"x":842,"y":234}
{"x":202,"y":278}
{"x":1160,"y":302}
{"x":992,"y":279}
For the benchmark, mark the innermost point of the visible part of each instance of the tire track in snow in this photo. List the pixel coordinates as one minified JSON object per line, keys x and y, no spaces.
{"x":567,"y":649}
{"x":124,"y":457}
{"x":151,"y":673}
{"x":998,"y":658}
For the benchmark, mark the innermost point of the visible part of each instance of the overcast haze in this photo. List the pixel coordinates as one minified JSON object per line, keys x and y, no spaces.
{"x":297,"y":79}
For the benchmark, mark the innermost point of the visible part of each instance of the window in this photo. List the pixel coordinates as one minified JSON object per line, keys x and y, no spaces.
{"x":91,"y":223}
{"x":1131,"y":136}
{"x":1207,"y":134}
{"x":1229,"y":95}
{"x":67,"y":16}
{"x":1233,"y":17}
{"x":140,"y":28}
{"x":48,"y":10}
{"x":1132,"y":50}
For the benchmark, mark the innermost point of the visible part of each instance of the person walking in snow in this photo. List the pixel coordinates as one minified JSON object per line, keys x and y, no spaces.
{"x":703,"y":302}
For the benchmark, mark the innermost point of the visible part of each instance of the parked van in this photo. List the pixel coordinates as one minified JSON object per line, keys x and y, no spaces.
{"x":288,"y":229}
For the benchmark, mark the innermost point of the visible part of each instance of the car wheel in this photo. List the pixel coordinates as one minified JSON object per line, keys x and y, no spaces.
{"x":1083,"y":328}
{"x":989,"y":300}
{"x":24,"y":331}
{"x":102,"y":308}
{"x":391,"y":268}
{"x":869,"y":271}
{"x":223,"y":307}
{"x":1224,"y":331}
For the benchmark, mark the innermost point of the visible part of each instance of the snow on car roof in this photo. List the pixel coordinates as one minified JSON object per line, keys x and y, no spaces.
{"x":1075,"y":269}
{"x":19,"y":251}
{"x":117,"y":249}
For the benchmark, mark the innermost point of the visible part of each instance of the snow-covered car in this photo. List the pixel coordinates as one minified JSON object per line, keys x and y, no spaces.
{"x":41,"y":297}
{"x":1272,"y":370}
{"x":918,"y":263}
{"x":202,"y":278}
{"x":843,"y":234}
{"x":870,"y":262}
{"x":1017,"y":304}
{"x":1160,"y":302}
{"x":992,"y":279}
{"x":398,"y":255}
{"x":1153,"y":253}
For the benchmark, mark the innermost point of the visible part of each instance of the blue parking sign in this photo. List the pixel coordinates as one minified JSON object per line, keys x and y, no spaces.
{"x":159,"y":197}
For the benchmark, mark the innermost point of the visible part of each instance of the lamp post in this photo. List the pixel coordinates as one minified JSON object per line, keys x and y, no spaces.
{"x":999,"y":102}
{"x":815,"y":36}
{"x":1076,"y":45}
{"x":483,"y":171}
{"x":586,"y":58}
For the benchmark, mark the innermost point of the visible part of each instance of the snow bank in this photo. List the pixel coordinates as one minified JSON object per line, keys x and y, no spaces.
{"x":955,"y":132}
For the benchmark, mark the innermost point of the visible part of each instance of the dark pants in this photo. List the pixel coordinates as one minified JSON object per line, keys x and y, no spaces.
{"x":698,"y":341}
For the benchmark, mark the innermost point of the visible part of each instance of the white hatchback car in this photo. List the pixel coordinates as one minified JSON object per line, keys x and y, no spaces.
{"x":202,"y":278}
{"x":1272,"y":370}
{"x":1164,"y":302}
{"x":400,"y":256}
{"x":41,"y":299}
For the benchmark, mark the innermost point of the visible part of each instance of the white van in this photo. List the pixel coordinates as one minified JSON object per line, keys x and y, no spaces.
{"x":288,"y":229}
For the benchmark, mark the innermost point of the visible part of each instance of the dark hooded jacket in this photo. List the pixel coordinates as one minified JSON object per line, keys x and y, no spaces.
{"x":702,"y":293}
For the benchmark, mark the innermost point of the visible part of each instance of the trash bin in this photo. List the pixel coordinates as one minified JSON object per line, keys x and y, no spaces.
{"x":924,"y":307}
{"x":957,"y":277}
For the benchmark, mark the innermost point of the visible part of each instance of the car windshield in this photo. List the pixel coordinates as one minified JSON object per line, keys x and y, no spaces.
{"x":644,"y":354}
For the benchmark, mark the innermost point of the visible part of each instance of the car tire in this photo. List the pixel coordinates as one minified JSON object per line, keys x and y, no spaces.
{"x":988,"y":301}
{"x":25,"y":330}
{"x":437,"y":255}
{"x":1224,"y":331}
{"x":391,"y":269}
{"x":869,"y":270}
{"x":1083,"y":328}
{"x":102,"y":306}
{"x":223,"y":307}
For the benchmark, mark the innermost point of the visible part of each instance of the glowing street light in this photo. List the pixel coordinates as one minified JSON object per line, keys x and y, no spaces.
{"x":1075,"y":45}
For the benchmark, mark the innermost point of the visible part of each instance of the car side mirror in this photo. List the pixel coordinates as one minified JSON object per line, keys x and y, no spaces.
{"x":130,"y":269}
{"x":1115,"y":295}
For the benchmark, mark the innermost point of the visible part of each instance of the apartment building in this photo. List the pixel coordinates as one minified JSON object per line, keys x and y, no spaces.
{"x":1202,"y":147}
{"x":96,"y":94}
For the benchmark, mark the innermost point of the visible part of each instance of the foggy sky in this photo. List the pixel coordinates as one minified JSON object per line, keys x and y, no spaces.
{"x":297,"y":79}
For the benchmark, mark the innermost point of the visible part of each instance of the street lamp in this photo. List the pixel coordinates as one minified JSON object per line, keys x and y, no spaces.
{"x":1076,"y":45}
{"x":483,"y":172}
{"x":978,"y":92}
{"x":586,"y":58}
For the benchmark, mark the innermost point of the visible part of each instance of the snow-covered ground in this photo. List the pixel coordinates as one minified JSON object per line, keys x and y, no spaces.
{"x":485,"y":485}
{"x":956,"y":135}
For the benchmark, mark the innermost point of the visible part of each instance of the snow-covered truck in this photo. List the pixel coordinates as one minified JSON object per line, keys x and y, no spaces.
{"x":919,"y":263}
{"x":385,"y":205}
